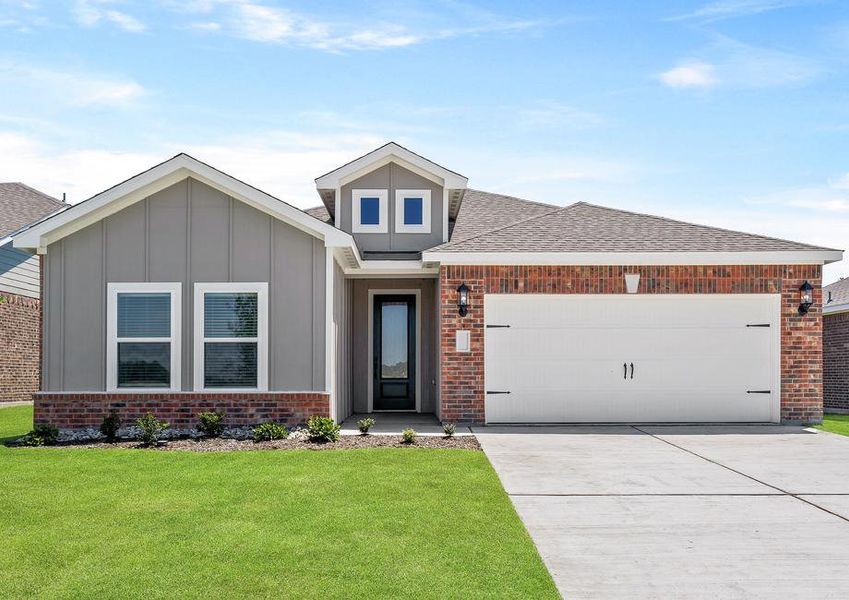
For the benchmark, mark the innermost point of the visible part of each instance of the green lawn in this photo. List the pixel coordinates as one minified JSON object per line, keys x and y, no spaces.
{"x":835,"y":424}
{"x":331,"y":524}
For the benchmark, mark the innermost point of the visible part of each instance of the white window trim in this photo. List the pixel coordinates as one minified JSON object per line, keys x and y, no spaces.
{"x":112,"y":339}
{"x":383,"y":213}
{"x":261,"y":291}
{"x":400,"y":226}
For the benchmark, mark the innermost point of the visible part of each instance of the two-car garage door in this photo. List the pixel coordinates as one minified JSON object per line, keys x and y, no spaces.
{"x":632,"y":358}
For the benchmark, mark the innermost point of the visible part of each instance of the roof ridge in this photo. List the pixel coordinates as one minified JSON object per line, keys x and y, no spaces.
{"x":703,"y":226}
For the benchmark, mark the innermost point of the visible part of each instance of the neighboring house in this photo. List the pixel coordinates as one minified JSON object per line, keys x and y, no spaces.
{"x":20,"y":313}
{"x":184,"y":289}
{"x":835,"y":346}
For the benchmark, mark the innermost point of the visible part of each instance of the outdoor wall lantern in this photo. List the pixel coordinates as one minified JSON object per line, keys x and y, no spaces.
{"x":806,"y":297}
{"x":463,"y":299}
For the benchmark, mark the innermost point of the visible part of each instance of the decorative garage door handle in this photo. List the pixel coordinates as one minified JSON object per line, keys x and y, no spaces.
{"x":632,"y":370}
{"x":490,"y":392}
{"x":625,"y":374}
{"x":757,"y":325}
{"x":758,"y":391}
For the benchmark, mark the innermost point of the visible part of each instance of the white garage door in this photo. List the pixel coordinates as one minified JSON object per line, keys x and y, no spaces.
{"x":641,"y":358}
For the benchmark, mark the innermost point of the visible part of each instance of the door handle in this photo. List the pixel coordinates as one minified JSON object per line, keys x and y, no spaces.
{"x":625,"y":374}
{"x":632,"y":370}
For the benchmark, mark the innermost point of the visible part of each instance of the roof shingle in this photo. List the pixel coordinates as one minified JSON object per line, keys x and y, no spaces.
{"x":20,"y":205}
{"x":837,"y":293}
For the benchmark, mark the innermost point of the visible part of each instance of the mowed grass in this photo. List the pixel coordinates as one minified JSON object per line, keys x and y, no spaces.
{"x":835,"y":424}
{"x":374,"y":523}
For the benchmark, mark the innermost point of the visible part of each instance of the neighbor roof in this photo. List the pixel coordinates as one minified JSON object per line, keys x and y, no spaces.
{"x":839,"y":293}
{"x":583,"y":227}
{"x":20,"y":205}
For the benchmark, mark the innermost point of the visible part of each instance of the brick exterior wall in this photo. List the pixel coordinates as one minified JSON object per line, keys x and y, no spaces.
{"x":72,"y":410}
{"x":462,"y":374}
{"x":835,"y":346}
{"x":20,"y":346}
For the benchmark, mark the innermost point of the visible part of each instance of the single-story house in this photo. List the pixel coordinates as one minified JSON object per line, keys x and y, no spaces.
{"x":20,"y":312}
{"x":185,"y":289}
{"x":835,"y":346}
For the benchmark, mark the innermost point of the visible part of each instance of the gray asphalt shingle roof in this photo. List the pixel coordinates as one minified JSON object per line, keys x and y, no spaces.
{"x":21,"y":205}
{"x":481,"y":212}
{"x":319,"y":212}
{"x":839,"y":293}
{"x":583,"y":227}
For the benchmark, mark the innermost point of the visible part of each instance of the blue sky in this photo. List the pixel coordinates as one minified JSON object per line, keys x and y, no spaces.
{"x":732,"y":113}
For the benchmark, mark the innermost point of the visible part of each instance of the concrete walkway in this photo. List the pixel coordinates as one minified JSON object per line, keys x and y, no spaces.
{"x":680,"y":511}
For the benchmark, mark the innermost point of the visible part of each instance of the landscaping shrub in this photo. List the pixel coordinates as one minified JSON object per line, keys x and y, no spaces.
{"x":409,"y":435}
{"x":365,"y":425}
{"x":448,"y":429}
{"x":151,"y":429}
{"x":110,"y":425}
{"x":41,"y":435}
{"x":211,"y":423}
{"x":266,"y":432}
{"x":322,"y":429}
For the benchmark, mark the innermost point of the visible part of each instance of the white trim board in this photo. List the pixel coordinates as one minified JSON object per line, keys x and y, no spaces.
{"x":797,"y":257}
{"x":370,"y":364}
{"x":261,"y":290}
{"x":158,"y":178}
{"x":112,"y":291}
{"x":382,"y":225}
{"x":427,"y":217}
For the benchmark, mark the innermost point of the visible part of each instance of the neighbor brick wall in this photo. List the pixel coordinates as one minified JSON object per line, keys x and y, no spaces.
{"x":835,"y":346}
{"x":461,"y":387}
{"x":20,"y":341}
{"x":74,"y":410}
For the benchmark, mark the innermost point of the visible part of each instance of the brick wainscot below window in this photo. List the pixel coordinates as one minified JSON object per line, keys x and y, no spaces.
{"x":462,"y":391}
{"x":74,"y":410}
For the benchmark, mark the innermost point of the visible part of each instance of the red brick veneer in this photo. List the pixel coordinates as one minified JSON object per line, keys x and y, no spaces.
{"x":835,"y":348}
{"x":461,"y":387}
{"x":20,"y":341}
{"x":74,"y":410}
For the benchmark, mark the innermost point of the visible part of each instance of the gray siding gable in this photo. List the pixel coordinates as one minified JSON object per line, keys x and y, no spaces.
{"x":187,"y":233}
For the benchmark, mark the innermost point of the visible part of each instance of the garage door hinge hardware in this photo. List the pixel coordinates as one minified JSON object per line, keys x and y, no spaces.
{"x":489,"y":392}
{"x":497,"y":326}
{"x":758,"y":391}
{"x":757,"y":325}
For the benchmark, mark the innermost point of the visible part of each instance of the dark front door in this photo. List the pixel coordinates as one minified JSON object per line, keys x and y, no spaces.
{"x":394,"y":340}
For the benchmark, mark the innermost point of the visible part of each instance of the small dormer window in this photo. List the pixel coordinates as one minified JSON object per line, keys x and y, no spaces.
{"x":369,"y":211}
{"x":412,"y":211}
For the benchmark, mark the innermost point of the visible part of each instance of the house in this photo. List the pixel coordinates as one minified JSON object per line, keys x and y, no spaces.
{"x":20,"y":312}
{"x":184,"y":289}
{"x":835,"y":346}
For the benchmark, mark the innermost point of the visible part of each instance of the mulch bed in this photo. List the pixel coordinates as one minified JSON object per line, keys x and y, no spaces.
{"x":346,"y":442}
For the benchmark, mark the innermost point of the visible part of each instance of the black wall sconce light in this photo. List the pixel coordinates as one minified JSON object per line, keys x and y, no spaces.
{"x":463,"y":299}
{"x":806,"y":298}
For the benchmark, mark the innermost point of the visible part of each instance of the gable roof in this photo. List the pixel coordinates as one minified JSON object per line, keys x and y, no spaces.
{"x":590,"y":232}
{"x":21,"y":205}
{"x":160,"y":177}
{"x":839,"y":292}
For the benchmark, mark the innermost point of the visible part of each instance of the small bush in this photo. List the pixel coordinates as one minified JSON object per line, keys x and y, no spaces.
{"x":110,"y":425}
{"x":41,"y":435}
{"x":365,"y":425}
{"x":448,"y":429}
{"x":266,"y":432}
{"x":409,"y":435}
{"x":151,"y":429}
{"x":211,"y":424}
{"x":322,"y":429}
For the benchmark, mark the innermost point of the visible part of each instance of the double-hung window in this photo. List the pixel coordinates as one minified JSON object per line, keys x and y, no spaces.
{"x":231,"y":341}
{"x":412,"y":211}
{"x":369,"y":211}
{"x":143,"y":337}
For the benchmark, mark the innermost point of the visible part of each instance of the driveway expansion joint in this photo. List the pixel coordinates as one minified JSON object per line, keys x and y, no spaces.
{"x":733,"y":470}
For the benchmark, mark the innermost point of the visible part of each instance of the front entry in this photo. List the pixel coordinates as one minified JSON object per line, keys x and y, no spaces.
{"x":394,"y":351}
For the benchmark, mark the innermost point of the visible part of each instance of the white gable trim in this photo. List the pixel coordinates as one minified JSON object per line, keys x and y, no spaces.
{"x":798,"y":257}
{"x":391,"y":152}
{"x":158,"y":178}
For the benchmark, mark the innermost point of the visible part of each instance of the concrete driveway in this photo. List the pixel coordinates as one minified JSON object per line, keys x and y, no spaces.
{"x":682,"y":511}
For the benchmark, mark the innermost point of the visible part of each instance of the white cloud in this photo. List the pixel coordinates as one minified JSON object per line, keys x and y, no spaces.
{"x":91,"y":12}
{"x":728,"y":9}
{"x":830,"y":197}
{"x":70,"y":87}
{"x":546,"y":114}
{"x":690,"y":75}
